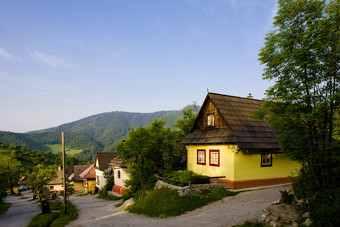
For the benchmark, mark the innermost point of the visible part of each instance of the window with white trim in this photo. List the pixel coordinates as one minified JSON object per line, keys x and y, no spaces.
{"x":210,"y":120}
{"x":201,"y":157}
{"x":266,"y":159}
{"x":214,"y":157}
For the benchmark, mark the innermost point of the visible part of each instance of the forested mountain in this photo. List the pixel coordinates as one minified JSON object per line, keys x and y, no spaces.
{"x":101,"y":132}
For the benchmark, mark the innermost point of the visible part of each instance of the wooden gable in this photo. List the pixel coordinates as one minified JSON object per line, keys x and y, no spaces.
{"x":233,"y":124}
{"x":209,"y":108}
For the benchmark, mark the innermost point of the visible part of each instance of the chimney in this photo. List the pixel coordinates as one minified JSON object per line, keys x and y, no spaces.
{"x":250,"y":96}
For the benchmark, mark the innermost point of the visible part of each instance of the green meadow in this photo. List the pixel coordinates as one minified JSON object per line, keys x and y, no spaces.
{"x":57,"y":148}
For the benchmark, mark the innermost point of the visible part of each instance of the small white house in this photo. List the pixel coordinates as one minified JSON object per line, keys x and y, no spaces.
{"x":102,"y":163}
{"x":120,"y":176}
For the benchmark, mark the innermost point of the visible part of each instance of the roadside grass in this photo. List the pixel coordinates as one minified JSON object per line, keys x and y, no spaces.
{"x":4,"y":207}
{"x":83,"y":194}
{"x":64,"y":219}
{"x":55,"y":219}
{"x":42,"y":220}
{"x":165,"y":202}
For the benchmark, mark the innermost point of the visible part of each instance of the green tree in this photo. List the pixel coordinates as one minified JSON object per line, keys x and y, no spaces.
{"x":155,"y":150}
{"x":146,"y":152}
{"x":39,"y":177}
{"x":184,"y":126}
{"x":10,"y":171}
{"x":187,"y":121}
{"x":302,"y":57}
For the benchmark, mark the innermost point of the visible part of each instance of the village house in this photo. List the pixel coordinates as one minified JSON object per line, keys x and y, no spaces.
{"x":89,"y":179}
{"x":120,"y":175}
{"x":101,"y":164}
{"x":73,"y":175}
{"x":56,"y":185}
{"x":226,"y":141}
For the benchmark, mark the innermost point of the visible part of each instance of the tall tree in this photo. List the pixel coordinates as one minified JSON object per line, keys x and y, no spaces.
{"x":302,"y":56}
{"x":145,"y":152}
{"x":40,"y":176}
{"x":187,"y":121}
{"x":155,"y":150}
{"x":10,"y":171}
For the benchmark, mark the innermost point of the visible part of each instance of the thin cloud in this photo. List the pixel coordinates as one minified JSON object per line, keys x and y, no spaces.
{"x":52,"y":60}
{"x":6,"y":55}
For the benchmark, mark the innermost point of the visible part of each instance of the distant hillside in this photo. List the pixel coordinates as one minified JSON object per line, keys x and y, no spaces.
{"x":101,"y":132}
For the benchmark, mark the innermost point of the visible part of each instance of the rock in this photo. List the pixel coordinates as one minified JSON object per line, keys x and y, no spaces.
{"x":261,"y":217}
{"x":295,"y":224}
{"x":307,"y":222}
{"x":273,"y":223}
{"x":276,"y":202}
{"x":127,"y":203}
{"x":306,"y":215}
{"x":300,"y":202}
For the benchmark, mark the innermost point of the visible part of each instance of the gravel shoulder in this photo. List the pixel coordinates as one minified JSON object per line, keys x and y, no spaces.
{"x":226,"y":212}
{"x":21,"y":212}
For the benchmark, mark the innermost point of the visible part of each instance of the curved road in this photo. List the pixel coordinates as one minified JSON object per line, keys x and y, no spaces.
{"x":21,"y":212}
{"x":226,"y":212}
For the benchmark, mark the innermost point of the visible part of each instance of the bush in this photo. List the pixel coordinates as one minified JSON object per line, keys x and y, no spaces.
{"x":287,"y":197}
{"x":323,"y":205}
{"x":325,"y":208}
{"x":185,"y":175}
{"x":166,"y":202}
{"x":127,"y":194}
{"x":4,"y":207}
{"x":108,"y":186}
{"x":55,"y":218}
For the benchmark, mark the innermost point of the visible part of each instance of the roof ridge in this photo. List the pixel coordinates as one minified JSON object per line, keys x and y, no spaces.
{"x":233,"y":96}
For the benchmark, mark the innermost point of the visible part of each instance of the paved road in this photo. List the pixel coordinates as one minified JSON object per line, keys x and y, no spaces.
{"x":21,"y":212}
{"x":227,"y":212}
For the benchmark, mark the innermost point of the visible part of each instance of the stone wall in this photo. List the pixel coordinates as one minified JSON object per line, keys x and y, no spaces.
{"x":184,"y":191}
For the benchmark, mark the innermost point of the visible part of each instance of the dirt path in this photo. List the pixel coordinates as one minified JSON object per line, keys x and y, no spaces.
{"x":227,"y":212}
{"x":21,"y":212}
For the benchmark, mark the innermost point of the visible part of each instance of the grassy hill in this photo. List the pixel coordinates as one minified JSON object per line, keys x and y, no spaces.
{"x":101,"y":132}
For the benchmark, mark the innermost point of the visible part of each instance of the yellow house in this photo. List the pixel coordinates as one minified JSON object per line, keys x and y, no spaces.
{"x":226,"y":141}
{"x":74,"y":178}
{"x":89,"y":179}
{"x":56,"y":184}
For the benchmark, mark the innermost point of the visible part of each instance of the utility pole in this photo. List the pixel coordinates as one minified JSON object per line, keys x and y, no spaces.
{"x":64,"y":170}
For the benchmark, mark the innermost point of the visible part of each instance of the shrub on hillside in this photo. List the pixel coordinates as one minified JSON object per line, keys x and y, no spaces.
{"x":185,"y":176}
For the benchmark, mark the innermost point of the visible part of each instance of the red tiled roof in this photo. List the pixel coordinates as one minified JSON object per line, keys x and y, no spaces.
{"x":89,"y":173}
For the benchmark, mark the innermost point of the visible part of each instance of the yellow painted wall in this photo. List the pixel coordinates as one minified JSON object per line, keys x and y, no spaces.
{"x":56,"y":187}
{"x":226,"y":167}
{"x":78,"y":186}
{"x":91,"y":185}
{"x":248,"y":167}
{"x":15,"y":189}
{"x":237,"y":166}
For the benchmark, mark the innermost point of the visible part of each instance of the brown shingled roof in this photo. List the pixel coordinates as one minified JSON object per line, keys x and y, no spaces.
{"x":104,"y":160}
{"x":239,"y":127}
{"x":76,"y":171}
{"x":58,"y":179}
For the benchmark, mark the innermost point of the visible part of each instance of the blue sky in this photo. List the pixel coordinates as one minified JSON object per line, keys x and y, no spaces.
{"x":61,"y":61}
